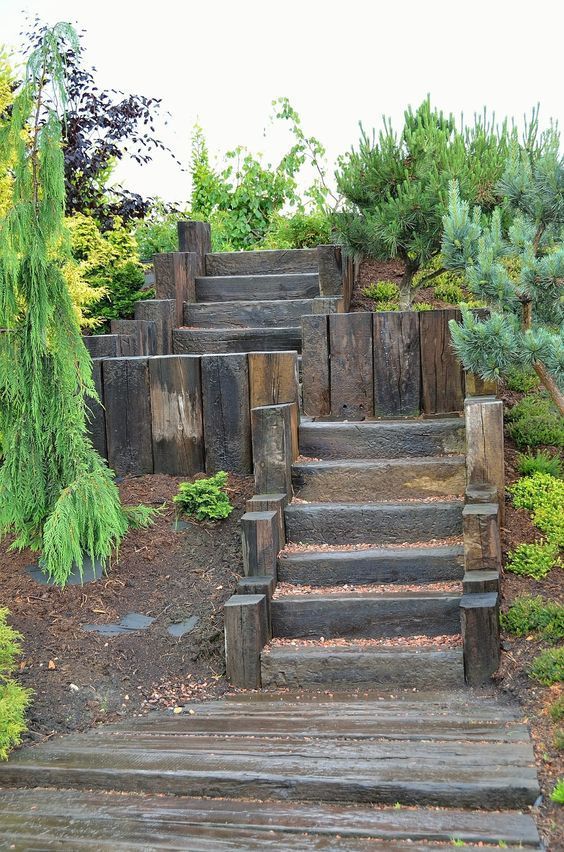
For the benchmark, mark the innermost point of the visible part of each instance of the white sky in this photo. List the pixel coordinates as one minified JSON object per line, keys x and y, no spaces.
{"x":222,"y":62}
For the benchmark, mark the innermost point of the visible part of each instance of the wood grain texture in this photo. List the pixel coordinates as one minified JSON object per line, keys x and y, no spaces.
{"x":479,"y":614}
{"x":128,"y":415}
{"x":162,"y":313}
{"x":352,"y":378}
{"x":204,"y":340}
{"x":270,"y":503}
{"x":476,"y":386}
{"x":164,"y":276}
{"x":316,"y":386}
{"x":272,"y":448}
{"x":441,"y":371}
{"x":96,"y":412}
{"x":219,"y":288}
{"x":227,"y":423}
{"x":246,"y":633}
{"x":195,"y":237}
{"x":482,"y":545}
{"x":102,"y":345}
{"x":260,"y":543}
{"x":143,"y":331}
{"x":329,"y":261}
{"x":273,"y":378}
{"x":265,"y":314}
{"x":176,"y":410}
{"x":268,"y":262}
{"x":480,"y":582}
{"x":484,"y":446}
{"x":397,"y":364}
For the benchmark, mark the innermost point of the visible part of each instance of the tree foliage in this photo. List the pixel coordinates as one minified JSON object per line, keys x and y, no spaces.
{"x":56,"y":493}
{"x":396,"y":186}
{"x":14,"y":699}
{"x":518,"y":270}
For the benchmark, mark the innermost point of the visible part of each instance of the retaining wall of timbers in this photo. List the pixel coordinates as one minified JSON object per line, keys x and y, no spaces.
{"x":182,"y":414}
{"x":383,"y":364}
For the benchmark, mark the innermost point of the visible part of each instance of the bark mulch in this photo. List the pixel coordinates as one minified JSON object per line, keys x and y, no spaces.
{"x":81,"y":678}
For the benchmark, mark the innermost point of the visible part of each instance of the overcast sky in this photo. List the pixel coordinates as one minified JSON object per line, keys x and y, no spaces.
{"x":222,"y":62}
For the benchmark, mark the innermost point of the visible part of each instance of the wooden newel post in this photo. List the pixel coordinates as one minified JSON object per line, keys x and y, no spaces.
{"x":175,"y":278}
{"x":484,"y":445}
{"x":273,"y":447}
{"x":479,"y":616}
{"x":246,"y":634}
{"x":482,"y":546}
{"x":195,"y":237}
{"x":260,"y":542}
{"x":271,"y":503}
{"x":330,"y":264}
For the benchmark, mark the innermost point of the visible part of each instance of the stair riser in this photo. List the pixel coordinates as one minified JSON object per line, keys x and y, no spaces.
{"x":251,"y":314}
{"x":270,"y":262}
{"x":428,"y":670}
{"x":366,"y":523}
{"x":260,"y":287}
{"x":373,"y":440}
{"x":508,"y":791}
{"x":364,"y":617}
{"x":344,"y":480}
{"x":413,"y":565}
{"x":204,"y":341}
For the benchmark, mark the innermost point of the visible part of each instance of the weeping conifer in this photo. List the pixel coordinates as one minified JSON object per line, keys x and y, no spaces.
{"x":56,"y":494}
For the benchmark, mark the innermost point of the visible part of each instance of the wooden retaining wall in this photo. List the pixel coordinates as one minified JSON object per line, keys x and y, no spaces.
{"x":182,"y":414}
{"x":383,"y":364}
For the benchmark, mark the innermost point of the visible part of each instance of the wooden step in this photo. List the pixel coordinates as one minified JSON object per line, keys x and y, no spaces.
{"x":374,"y":565}
{"x":385,"y":479}
{"x":202,"y":341}
{"x":384,"y":439}
{"x":62,"y":819}
{"x":371,"y":523}
{"x":250,"y":314}
{"x":266,"y":262}
{"x":341,"y":666}
{"x":366,"y":614}
{"x":472,"y":774}
{"x":220,"y":288}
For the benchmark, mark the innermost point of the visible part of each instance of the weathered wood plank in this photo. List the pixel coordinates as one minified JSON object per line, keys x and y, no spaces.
{"x":161,"y":312}
{"x":329,"y":260}
{"x":102,"y":345}
{"x":316,"y":390}
{"x":441,"y":372}
{"x":484,"y":446}
{"x":352,"y":377}
{"x":273,"y":378}
{"x":372,"y":440}
{"x":220,"y":288}
{"x":246,"y":634}
{"x":480,"y":582}
{"x":164,"y":276}
{"x":267,"y":262}
{"x":144,"y":332}
{"x":482,"y":545}
{"x":203,"y":340}
{"x":97,"y":414}
{"x":260,"y":543}
{"x":479,"y":616}
{"x":176,"y":409}
{"x":476,"y":386}
{"x":272,"y":444}
{"x":128,"y":415}
{"x":270,"y":503}
{"x":397,"y":364}
{"x":227,"y":421}
{"x":239,"y":314}
{"x":195,"y":237}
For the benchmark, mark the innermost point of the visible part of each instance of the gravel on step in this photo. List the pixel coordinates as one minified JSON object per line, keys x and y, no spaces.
{"x":297,"y":547}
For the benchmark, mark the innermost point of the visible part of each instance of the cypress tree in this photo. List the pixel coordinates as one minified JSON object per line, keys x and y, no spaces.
{"x":56,"y":494}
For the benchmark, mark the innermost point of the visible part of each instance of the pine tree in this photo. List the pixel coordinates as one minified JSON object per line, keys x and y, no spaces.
{"x":518,"y":270}
{"x":396,"y":187}
{"x":56,"y":493}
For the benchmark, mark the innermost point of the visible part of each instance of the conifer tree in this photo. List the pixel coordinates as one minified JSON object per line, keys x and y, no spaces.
{"x":396,"y":187}
{"x":56,"y":493}
{"x":518,"y":271}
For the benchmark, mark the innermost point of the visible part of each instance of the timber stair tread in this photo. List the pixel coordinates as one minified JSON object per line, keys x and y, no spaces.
{"x":204,"y":340}
{"x":303,"y":285}
{"x":262,"y":262}
{"x":252,"y":313}
{"x":42,"y":818}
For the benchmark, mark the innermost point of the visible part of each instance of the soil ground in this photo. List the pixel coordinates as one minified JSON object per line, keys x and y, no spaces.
{"x":82,"y":678}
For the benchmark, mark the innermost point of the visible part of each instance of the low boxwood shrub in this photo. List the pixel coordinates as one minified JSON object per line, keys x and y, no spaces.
{"x":543,"y":495}
{"x":450,"y":292}
{"x":422,"y":306}
{"x":534,"y":421}
{"x":14,"y":699}
{"x":541,"y":462}
{"x":557,"y":709}
{"x":536,"y":615}
{"x":204,"y":499}
{"x":533,"y":560}
{"x":383,"y":293}
{"x":557,"y":794}
{"x":522,"y":380}
{"x":548,"y":667}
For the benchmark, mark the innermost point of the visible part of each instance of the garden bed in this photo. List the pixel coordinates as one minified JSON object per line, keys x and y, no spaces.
{"x":81,"y":678}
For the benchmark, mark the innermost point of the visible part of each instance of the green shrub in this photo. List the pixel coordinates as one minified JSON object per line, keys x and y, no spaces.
{"x":542,"y":462}
{"x":557,"y":709}
{"x":14,"y":699}
{"x":559,"y":739}
{"x":301,"y":230}
{"x":543,"y":495}
{"x":205,"y":499}
{"x":548,"y":667}
{"x":557,"y":794}
{"x":382,"y":292}
{"x":157,"y":233}
{"x":534,"y":421}
{"x":522,"y":380}
{"x":535,"y":615}
{"x":450,"y":292}
{"x":533,"y":560}
{"x":422,"y":306}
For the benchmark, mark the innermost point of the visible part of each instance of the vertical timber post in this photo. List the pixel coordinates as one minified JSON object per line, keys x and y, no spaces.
{"x":271,"y":429}
{"x":246,"y":634}
{"x":484,"y":446}
{"x":195,"y":237}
